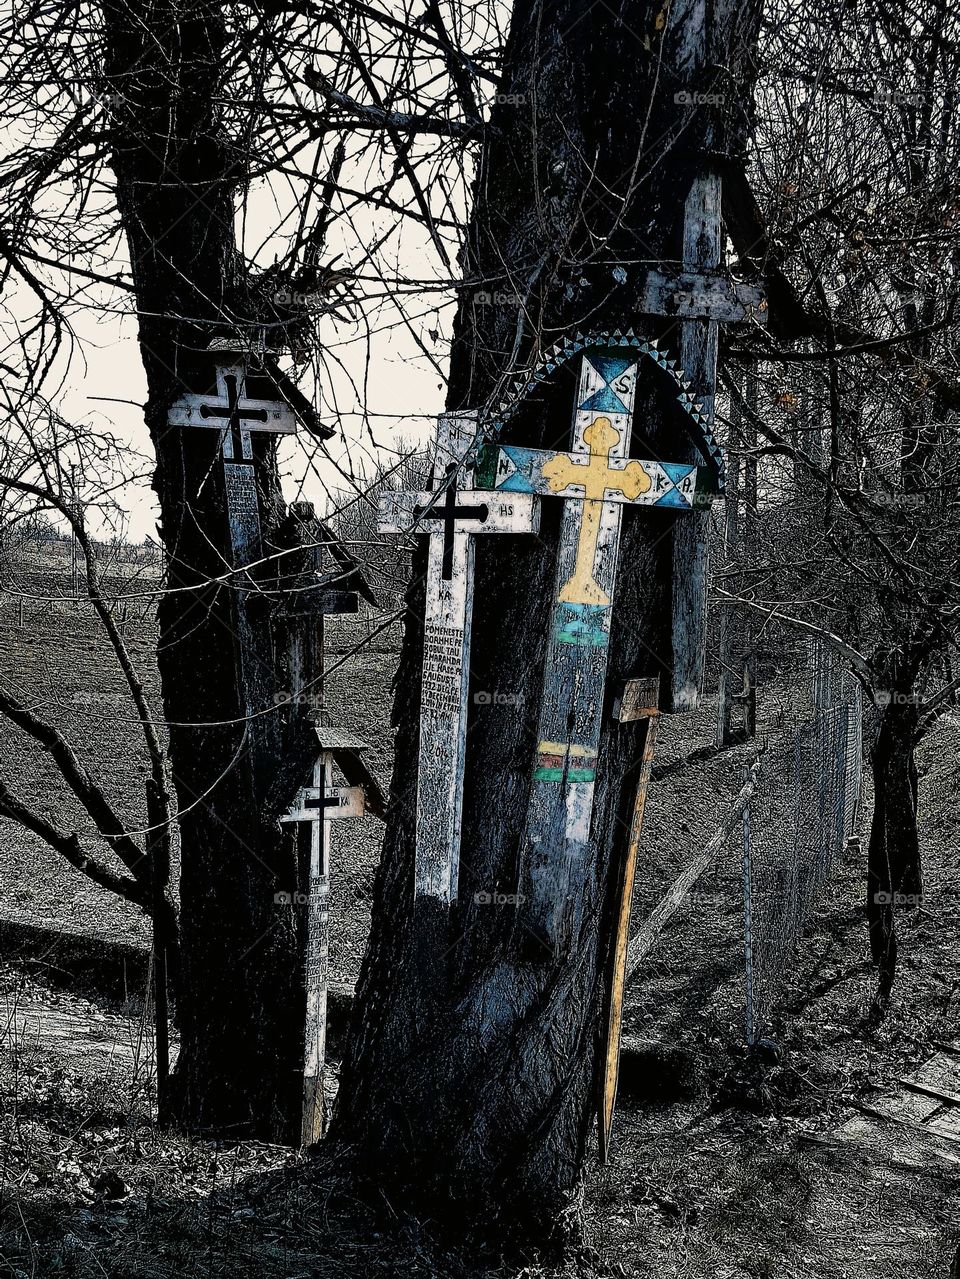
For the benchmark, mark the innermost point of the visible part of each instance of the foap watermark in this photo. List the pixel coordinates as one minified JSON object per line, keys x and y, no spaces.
{"x":898,"y":899}
{"x":285,"y":698}
{"x":696,"y":98}
{"x":291,"y":899}
{"x":496,"y":297}
{"x":893,"y":697}
{"x":291,"y":297}
{"x":510,"y":99}
{"x":498,"y":899}
{"x":496,"y":698}
{"x":897,"y":97}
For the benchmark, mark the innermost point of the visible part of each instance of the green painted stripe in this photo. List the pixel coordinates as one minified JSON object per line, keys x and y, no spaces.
{"x":557,"y":775}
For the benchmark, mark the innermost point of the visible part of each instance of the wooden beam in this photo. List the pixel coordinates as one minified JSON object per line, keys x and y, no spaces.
{"x":639,"y":701}
{"x":702,"y":251}
{"x":702,"y":295}
{"x":653,"y":925}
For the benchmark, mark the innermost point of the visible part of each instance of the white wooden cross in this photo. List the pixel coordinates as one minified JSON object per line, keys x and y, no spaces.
{"x":234,"y":415}
{"x":314,"y":808}
{"x":452,"y":514}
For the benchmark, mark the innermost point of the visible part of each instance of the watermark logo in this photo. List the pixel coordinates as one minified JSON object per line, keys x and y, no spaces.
{"x":897,"y":97}
{"x":898,"y":899}
{"x":891,"y":697}
{"x":285,"y":698}
{"x":496,"y":698}
{"x":694,"y":98}
{"x":291,"y":899}
{"x":498,"y":899}
{"x":496,"y":297}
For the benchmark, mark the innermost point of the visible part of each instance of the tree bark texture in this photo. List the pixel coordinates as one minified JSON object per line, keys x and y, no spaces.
{"x":469,"y":1082}
{"x":177,"y":171}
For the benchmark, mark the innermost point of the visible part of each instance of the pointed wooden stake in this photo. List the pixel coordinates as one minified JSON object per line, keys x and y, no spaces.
{"x":640,"y":700}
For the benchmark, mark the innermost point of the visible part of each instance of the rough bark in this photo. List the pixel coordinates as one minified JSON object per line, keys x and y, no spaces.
{"x":469,"y":1080}
{"x":894,"y":872}
{"x":176,"y":173}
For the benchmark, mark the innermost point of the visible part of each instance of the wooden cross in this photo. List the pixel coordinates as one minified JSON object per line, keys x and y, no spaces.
{"x":449,"y":513}
{"x":235,"y":415}
{"x":446,"y":646}
{"x":313,"y":809}
{"x":597,"y":479}
{"x":231,"y":405}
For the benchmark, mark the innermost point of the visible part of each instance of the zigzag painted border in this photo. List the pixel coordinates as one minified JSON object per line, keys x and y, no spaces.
{"x":561,"y":352}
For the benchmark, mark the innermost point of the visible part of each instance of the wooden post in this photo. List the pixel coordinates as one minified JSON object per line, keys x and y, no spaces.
{"x":750,"y":542}
{"x":452,"y":514}
{"x":702,"y":250}
{"x":313,"y":810}
{"x":729,"y":622}
{"x":640,"y":700}
{"x":158,"y":847}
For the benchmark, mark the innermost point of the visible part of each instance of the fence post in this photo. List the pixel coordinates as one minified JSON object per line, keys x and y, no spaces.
{"x":750,"y":1028}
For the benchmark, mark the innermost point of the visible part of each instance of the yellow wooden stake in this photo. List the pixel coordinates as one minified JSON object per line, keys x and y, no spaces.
{"x":639,"y":701}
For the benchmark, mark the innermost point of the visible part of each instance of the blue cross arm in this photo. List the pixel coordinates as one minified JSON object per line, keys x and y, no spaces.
{"x":516,"y":470}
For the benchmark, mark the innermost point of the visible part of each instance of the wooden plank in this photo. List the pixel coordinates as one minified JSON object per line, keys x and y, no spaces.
{"x":314,"y":804}
{"x":316,"y":971}
{"x":633,"y":481}
{"x":702,"y":251}
{"x":557,"y":828}
{"x":452,"y":514}
{"x":639,"y":699}
{"x":636,"y":699}
{"x":701,"y":295}
{"x":645,"y":936}
{"x":213,"y":411}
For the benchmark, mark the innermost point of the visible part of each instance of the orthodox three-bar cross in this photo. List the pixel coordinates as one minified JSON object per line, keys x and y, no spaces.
{"x":597,"y":480}
{"x":313,"y":809}
{"x":453,"y":514}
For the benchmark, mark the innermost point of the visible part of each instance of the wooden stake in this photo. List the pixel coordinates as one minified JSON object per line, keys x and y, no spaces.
{"x":702,"y":250}
{"x":640,"y":701}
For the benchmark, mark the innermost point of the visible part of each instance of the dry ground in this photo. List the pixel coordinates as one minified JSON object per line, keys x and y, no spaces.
{"x":721,"y":1168}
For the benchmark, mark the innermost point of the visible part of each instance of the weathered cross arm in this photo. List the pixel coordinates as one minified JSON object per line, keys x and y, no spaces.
{"x":710,"y":295}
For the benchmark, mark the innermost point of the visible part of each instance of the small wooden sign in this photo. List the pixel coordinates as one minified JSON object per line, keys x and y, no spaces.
{"x":452,"y":515}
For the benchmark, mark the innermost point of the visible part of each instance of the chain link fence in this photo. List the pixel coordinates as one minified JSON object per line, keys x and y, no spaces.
{"x":798,"y":823}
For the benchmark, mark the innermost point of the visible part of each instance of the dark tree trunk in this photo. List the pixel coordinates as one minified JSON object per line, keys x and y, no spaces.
{"x":894,"y":872}
{"x":240,"y":1004}
{"x":469,"y":1082}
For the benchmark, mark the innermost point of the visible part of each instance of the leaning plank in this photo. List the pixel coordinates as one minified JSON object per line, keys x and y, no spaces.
{"x":925,"y":1091}
{"x":653,"y":925}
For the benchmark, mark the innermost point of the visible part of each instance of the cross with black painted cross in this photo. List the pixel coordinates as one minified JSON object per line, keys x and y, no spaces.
{"x":232,"y":412}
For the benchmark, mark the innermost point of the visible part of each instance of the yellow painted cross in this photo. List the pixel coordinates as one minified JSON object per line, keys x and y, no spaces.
{"x":595,"y":477}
